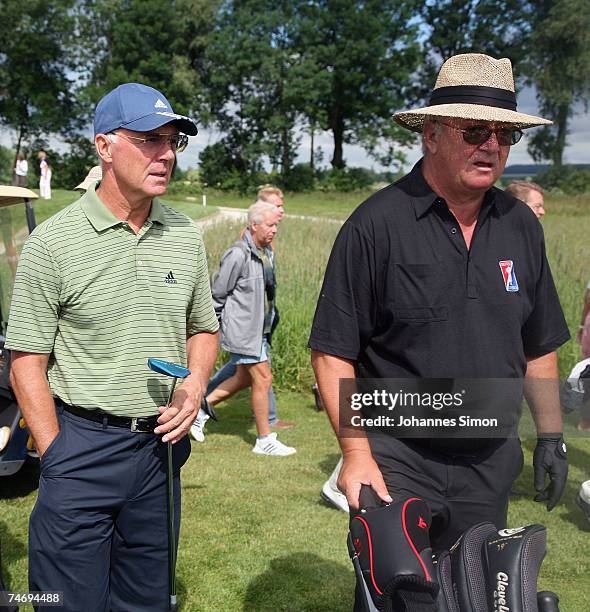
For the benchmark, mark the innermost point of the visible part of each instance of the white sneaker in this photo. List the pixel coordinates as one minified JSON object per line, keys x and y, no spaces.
{"x":331,"y":493}
{"x":269,"y":445}
{"x":198,"y":427}
{"x":4,"y":437}
{"x":583,"y":498}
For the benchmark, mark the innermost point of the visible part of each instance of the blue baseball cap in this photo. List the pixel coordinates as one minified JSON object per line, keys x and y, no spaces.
{"x":140,"y":108}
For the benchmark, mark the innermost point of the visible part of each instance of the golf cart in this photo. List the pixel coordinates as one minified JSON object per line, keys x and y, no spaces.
{"x":15,"y":441}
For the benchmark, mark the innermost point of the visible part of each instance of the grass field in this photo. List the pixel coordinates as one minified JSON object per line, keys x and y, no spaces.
{"x":255,"y":535}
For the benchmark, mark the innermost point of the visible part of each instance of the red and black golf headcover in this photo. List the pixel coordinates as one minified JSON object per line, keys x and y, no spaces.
{"x":488,"y":570}
{"x":390,"y":548}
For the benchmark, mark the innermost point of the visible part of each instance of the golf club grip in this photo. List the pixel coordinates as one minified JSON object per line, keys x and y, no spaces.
{"x":547,"y":601}
{"x":368,"y":499}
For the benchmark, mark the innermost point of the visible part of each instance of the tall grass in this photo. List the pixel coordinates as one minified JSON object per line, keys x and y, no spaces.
{"x":303,"y":248}
{"x":569,"y":257}
{"x":255,"y":535}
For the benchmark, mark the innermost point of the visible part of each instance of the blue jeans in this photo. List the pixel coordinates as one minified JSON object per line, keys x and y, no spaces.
{"x":227,"y":371}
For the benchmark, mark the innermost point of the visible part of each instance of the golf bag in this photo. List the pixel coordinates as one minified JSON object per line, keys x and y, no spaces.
{"x":493,"y":571}
{"x":486,"y":570}
{"x":576,"y":387}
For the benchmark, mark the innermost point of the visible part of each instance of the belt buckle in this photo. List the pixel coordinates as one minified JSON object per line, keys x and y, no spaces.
{"x":141,"y":425}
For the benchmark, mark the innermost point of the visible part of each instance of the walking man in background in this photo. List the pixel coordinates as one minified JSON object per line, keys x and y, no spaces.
{"x":100,"y":288}
{"x":244,"y":297}
{"x":416,"y":288}
{"x":529,"y":193}
{"x":274,"y":196}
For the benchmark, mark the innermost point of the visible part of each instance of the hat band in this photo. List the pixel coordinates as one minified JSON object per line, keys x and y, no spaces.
{"x":474,"y":94}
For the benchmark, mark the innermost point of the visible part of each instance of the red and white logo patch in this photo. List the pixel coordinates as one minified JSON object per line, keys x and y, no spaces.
{"x":508,"y":275}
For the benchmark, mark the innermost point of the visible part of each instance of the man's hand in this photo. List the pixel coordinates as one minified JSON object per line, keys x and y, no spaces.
{"x":42,"y":445}
{"x":359,"y":468}
{"x":550,"y":459}
{"x":176,"y":419}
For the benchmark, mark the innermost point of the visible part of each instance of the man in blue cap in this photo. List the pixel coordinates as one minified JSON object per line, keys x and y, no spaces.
{"x":113,"y":279}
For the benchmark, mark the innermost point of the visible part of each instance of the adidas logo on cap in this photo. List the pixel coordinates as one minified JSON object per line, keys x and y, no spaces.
{"x":160,"y":104}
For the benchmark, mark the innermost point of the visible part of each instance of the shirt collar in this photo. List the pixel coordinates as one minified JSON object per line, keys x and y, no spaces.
{"x":423,"y":197}
{"x":102,"y":218}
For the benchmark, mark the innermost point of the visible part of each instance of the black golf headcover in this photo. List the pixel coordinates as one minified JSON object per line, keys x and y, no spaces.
{"x":446,"y":600}
{"x":513,"y":559}
{"x":390,"y":549}
{"x":468,"y":568}
{"x":492,"y":571}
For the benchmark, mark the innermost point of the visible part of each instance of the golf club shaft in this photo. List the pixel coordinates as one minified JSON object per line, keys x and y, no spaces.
{"x":171,"y":527}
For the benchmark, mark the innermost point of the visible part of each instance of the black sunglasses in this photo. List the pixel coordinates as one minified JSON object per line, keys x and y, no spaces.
{"x":478,"y":134}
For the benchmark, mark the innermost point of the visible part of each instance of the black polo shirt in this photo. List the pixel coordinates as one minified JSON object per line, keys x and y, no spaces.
{"x":403,"y":296}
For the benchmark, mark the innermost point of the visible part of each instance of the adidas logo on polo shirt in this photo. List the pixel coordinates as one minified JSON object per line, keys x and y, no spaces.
{"x":170,"y":278}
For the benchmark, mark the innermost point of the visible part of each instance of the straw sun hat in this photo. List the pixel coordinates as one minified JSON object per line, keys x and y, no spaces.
{"x":472,"y":86}
{"x":94,"y":175}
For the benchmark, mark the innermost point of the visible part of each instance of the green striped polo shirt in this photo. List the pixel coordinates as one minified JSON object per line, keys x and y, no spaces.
{"x":101,"y":300}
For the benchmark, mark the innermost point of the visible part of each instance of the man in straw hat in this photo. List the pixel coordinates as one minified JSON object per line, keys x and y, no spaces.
{"x":443,"y":276}
{"x":94,"y":176}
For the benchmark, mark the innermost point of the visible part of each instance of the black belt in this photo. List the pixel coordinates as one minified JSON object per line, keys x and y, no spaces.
{"x":135,"y":424}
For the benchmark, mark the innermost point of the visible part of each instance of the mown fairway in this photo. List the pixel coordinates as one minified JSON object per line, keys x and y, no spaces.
{"x":255,"y":534}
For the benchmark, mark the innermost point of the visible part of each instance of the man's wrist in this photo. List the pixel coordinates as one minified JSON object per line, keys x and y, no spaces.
{"x":195,"y":383}
{"x":356,"y":451}
{"x":553,"y":435}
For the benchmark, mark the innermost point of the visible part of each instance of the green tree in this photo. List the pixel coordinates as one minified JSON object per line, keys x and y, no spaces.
{"x":559,"y":66}
{"x":255,"y":81}
{"x":275,"y":67}
{"x":6,"y":165}
{"x":496,"y":27}
{"x":363,"y":55}
{"x":36,"y":64}
{"x":140,"y":41}
{"x":223,"y":166}
{"x":500,"y":28}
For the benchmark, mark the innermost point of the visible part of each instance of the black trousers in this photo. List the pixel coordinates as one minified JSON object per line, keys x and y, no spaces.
{"x":460,"y":490}
{"x":99,"y":529}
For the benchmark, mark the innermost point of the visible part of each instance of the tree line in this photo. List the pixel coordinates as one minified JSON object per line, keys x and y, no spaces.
{"x":261,"y":73}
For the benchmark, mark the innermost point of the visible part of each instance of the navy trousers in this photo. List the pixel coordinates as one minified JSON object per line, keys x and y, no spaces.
{"x":99,"y":529}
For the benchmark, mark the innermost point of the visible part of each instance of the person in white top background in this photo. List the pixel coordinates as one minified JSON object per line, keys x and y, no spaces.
{"x":45,"y":178}
{"x":21,"y":168}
